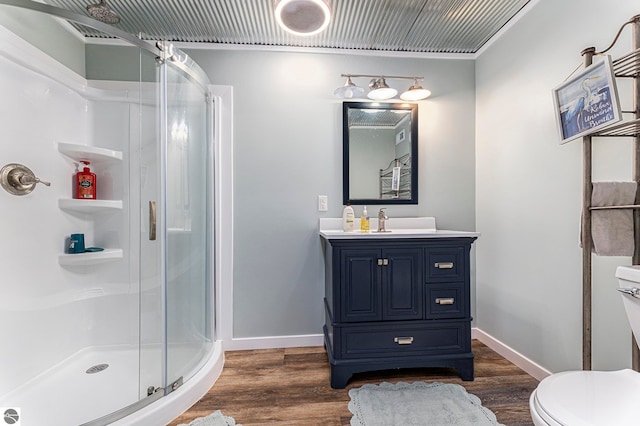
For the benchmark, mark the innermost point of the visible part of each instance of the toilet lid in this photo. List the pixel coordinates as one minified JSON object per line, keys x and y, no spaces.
{"x":588,"y":398}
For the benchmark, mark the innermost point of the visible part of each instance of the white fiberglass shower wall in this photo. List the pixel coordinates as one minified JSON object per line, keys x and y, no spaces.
{"x":97,"y":336}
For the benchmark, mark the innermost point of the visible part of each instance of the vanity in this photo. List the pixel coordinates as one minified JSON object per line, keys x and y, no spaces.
{"x":398,"y":299}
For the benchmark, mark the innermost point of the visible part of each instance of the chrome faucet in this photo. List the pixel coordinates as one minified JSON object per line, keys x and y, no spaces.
{"x":381,"y":221}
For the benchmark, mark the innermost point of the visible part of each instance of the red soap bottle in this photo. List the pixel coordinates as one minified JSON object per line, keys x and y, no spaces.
{"x":86,"y":183}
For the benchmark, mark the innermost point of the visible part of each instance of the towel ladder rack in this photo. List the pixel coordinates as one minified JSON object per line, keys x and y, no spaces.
{"x":629,"y":207}
{"x":623,"y":68}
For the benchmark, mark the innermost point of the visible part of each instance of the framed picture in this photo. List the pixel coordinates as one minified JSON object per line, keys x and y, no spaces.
{"x":400,"y":137}
{"x":587,"y":101}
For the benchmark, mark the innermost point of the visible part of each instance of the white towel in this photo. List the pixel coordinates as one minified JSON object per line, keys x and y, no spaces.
{"x":612,"y":230}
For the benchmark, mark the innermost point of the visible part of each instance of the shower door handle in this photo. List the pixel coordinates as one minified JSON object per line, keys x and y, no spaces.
{"x":152,"y":220}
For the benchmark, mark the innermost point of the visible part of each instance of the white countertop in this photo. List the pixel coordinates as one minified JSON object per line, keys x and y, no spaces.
{"x":404,"y":227}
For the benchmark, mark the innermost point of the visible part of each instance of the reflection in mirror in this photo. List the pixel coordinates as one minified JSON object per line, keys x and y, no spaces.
{"x":380,"y":153}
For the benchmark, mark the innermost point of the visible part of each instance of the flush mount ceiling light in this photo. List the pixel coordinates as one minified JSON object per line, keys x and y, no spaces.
{"x":349,"y":90}
{"x":380,"y":90}
{"x":303,"y":17}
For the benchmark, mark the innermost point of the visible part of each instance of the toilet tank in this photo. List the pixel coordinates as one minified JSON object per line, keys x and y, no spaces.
{"x":629,"y":279}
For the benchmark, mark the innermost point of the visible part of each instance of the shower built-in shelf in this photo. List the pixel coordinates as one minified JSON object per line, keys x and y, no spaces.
{"x":89,"y":206}
{"x":81,"y":259}
{"x":88,"y":153}
{"x":94,"y":155}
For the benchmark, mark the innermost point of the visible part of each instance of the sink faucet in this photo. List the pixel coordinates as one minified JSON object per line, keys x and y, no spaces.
{"x":381,"y":219}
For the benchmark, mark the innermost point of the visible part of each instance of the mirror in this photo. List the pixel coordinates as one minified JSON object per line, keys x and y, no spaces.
{"x":380,"y":153}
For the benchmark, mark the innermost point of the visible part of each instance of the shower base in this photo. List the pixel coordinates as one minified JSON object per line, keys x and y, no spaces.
{"x":67,"y":395}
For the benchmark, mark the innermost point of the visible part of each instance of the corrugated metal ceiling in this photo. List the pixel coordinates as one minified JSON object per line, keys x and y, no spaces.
{"x":433,"y":26}
{"x":376,"y":118}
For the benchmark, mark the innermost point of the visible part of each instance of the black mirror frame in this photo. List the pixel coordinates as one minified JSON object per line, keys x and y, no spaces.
{"x":413,"y":108}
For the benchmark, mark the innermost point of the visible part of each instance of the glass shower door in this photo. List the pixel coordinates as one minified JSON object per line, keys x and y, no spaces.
{"x":176,"y":228}
{"x":146,"y":161}
{"x":188,"y":232}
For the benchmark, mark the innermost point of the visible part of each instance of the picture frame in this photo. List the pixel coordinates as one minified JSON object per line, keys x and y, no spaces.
{"x":587,"y":102}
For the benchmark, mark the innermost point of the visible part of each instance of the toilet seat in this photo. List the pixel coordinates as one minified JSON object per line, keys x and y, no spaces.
{"x":588,"y":398}
{"x":538,"y":415}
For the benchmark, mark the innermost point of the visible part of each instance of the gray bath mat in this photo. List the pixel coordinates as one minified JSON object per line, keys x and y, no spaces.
{"x":417,"y":404}
{"x":214,"y":419}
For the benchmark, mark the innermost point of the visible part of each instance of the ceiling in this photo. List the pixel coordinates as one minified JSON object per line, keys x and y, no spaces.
{"x":376,"y":117}
{"x":427,"y":26}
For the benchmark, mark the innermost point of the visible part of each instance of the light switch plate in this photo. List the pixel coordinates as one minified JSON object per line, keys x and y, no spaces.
{"x":323,"y":203}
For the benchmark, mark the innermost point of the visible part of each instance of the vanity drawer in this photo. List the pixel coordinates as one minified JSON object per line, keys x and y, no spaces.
{"x":445,"y":264}
{"x":428,"y":338}
{"x":446,"y":301}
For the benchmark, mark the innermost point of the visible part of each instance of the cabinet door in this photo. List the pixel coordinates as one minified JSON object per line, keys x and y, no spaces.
{"x":402,"y":287}
{"x":360,"y":285}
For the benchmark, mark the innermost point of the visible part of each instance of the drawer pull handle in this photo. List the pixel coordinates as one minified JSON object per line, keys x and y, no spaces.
{"x":403,"y":340}
{"x":445,"y":301}
{"x":444,"y":265}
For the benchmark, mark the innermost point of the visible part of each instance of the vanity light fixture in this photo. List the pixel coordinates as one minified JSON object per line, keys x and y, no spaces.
{"x":303,"y":17}
{"x":349,"y":90}
{"x":380,"y":90}
{"x":415,"y":92}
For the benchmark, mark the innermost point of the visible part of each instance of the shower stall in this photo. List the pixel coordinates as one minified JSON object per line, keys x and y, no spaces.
{"x":123,"y":333}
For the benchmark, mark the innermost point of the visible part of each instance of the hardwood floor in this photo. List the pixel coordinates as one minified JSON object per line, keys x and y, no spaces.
{"x":291,"y":387}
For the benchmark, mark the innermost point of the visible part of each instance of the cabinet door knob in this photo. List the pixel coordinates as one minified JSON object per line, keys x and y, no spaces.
{"x":445,"y":301}
{"x":403,"y":340}
{"x":379,"y":262}
{"x":444,"y":265}
{"x":385,"y":262}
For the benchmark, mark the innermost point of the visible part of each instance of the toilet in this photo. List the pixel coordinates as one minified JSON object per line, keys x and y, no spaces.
{"x":603,"y":398}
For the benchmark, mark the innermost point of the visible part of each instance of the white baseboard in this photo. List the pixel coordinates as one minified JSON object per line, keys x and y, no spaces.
{"x":510,"y":354}
{"x":272,"y":342}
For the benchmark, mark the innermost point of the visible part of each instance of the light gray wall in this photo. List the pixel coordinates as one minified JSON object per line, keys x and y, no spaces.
{"x":120,"y":63}
{"x":50,"y":37}
{"x":288,"y":150}
{"x":529,"y":189}
{"x":404,"y":147}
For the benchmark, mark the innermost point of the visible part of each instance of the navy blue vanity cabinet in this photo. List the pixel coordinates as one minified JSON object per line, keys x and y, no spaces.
{"x":396,"y":303}
{"x":380,"y":284}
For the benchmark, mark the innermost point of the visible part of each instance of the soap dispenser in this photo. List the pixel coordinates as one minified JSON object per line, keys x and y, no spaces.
{"x":348,"y":218}
{"x":364,"y":220}
{"x":85,"y":183}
